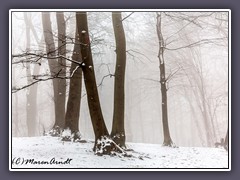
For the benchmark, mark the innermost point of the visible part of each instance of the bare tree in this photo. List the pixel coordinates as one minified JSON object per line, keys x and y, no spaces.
{"x":98,"y":123}
{"x":118,"y":130}
{"x":167,"y":138}
{"x":194,"y":70}
{"x":75,"y":90}
{"x":103,"y":143}
{"x":31,"y":105}
{"x":54,"y":67}
{"x":60,"y":97}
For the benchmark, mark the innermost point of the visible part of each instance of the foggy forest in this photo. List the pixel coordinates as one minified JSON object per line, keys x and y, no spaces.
{"x":116,"y":78}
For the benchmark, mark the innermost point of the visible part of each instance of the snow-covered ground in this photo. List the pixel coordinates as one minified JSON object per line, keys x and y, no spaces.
{"x":50,"y":152}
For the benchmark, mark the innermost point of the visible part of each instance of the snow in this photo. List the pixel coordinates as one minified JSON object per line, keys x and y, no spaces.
{"x":46,"y":149}
{"x":83,"y":31}
{"x":66,"y":133}
{"x":101,"y":144}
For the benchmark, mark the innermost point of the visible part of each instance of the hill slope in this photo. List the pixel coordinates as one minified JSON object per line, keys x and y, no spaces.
{"x":50,"y":152}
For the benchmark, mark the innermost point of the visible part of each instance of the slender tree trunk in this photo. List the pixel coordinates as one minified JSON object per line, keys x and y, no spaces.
{"x":193,"y":119}
{"x":118,"y":130}
{"x":97,"y":119}
{"x":207,"y":120}
{"x":31,"y":91}
{"x":195,"y":80}
{"x":75,"y":89}
{"x":226,"y":141}
{"x":167,"y":138}
{"x":15,"y":119}
{"x":140,"y":117}
{"x":53,"y":65}
{"x":208,"y":125}
{"x":60,"y":97}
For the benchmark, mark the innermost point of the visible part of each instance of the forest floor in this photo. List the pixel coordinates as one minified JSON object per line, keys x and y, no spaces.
{"x":51,"y":152}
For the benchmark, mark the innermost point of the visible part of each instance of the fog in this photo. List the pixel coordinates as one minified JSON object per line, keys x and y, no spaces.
{"x":196,"y":60}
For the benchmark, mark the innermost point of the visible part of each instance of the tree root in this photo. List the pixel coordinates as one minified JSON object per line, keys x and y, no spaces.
{"x":170,"y":144}
{"x":106,"y":146}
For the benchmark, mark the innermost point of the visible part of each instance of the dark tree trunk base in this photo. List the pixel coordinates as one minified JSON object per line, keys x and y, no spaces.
{"x":119,"y":139}
{"x":223,"y":143}
{"x":169,"y":144}
{"x":71,"y":136}
{"x":55,"y":131}
{"x":106,"y":146}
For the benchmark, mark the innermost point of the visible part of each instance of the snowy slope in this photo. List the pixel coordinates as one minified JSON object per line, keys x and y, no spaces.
{"x":50,"y":152}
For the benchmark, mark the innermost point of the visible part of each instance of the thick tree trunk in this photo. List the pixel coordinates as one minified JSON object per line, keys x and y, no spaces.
{"x":118,"y":130}
{"x":60,"y":97}
{"x":167,"y":138}
{"x":53,"y":65}
{"x":97,"y":119}
{"x":75,"y":89}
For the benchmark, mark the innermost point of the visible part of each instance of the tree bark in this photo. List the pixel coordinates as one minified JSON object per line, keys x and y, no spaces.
{"x":118,"y":130}
{"x":61,"y":88}
{"x":167,"y":138}
{"x":31,"y":105}
{"x":97,"y":119}
{"x":53,"y":65}
{"x":75,"y":89}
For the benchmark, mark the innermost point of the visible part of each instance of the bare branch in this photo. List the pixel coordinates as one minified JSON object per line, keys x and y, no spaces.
{"x":127,"y":16}
{"x":171,"y":75}
{"x":108,"y":75}
{"x":40,"y":56}
{"x":203,"y":41}
{"x":56,"y":76}
{"x":107,"y":65}
{"x":37,"y":80}
{"x":128,"y":51}
{"x":152,"y":80}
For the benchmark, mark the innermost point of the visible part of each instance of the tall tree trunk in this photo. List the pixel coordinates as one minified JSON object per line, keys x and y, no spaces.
{"x":61,"y":88}
{"x":75,"y":89}
{"x":118,"y":130}
{"x":53,"y":64}
{"x":97,"y":119}
{"x":31,"y":92}
{"x":167,"y":138}
{"x":15,"y":119}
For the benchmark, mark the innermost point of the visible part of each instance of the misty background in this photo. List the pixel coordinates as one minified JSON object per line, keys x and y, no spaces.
{"x":196,"y":63}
